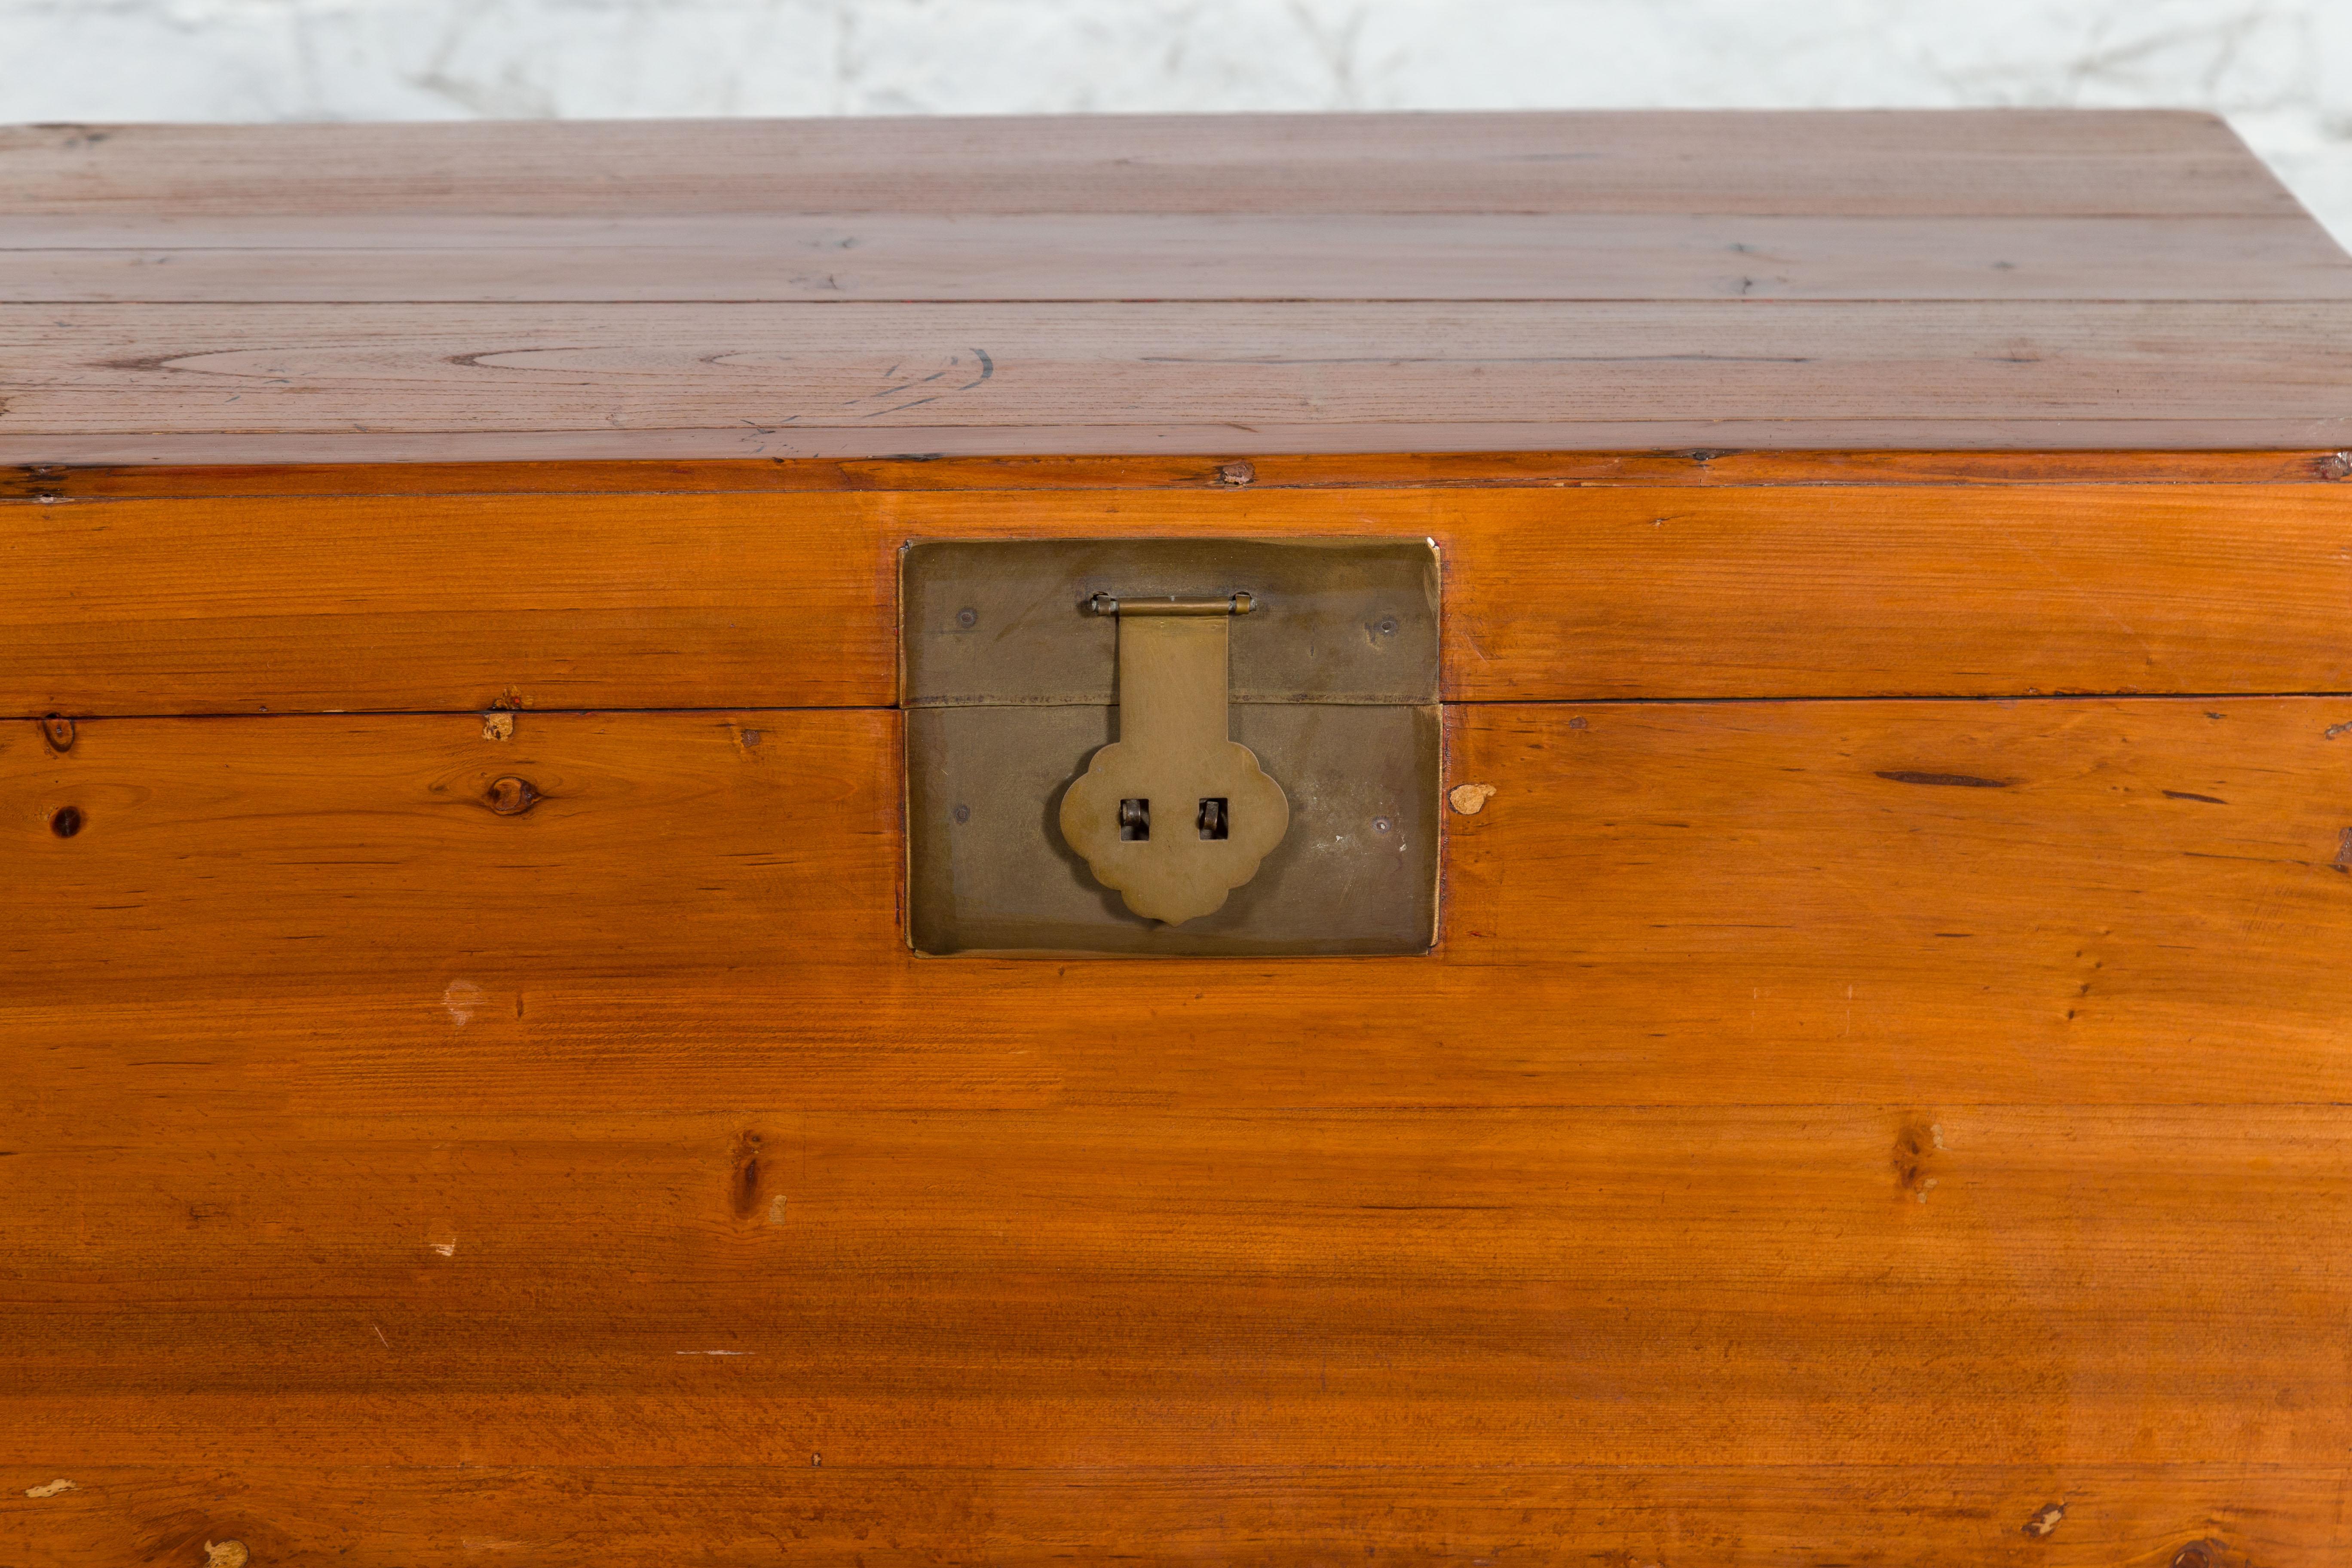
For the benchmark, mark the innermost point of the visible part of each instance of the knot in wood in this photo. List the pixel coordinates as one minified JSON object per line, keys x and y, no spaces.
{"x":511,"y":797}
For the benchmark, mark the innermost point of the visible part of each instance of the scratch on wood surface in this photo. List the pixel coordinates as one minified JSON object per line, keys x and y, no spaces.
{"x":497,"y":726}
{"x":1950,"y":781}
{"x":2045,"y":1519}
{"x":461,"y":997}
{"x":52,"y":1488}
{"x":446,"y":1245}
{"x":2343,"y":861}
{"x":776,"y":1209}
{"x":898,"y":381}
{"x":2334,"y":730}
{"x":226,"y":1554}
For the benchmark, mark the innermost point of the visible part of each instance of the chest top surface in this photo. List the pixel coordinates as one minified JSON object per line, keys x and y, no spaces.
{"x":1954,"y":280}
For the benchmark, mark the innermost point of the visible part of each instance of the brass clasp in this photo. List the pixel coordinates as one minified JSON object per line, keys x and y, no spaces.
{"x":1174,"y":813}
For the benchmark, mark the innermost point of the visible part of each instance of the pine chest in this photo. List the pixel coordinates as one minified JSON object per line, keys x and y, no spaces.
{"x":1615,"y":839}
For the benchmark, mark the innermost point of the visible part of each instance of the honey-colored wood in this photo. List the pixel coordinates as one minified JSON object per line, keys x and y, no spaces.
{"x":467,"y":1096}
{"x":1134,"y":1288}
{"x":2052,"y":902}
{"x":2115,"y":1516}
{"x":786,"y":600}
{"x":1699,"y":1173}
{"x":1483,"y":470}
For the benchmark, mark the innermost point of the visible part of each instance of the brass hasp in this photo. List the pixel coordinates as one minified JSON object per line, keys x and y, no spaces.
{"x":1174,"y":813}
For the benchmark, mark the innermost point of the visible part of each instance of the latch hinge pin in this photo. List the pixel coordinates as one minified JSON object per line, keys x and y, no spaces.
{"x":1230,"y":604}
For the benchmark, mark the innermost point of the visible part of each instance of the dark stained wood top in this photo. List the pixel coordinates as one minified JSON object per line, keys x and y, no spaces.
{"x":1242,"y":285}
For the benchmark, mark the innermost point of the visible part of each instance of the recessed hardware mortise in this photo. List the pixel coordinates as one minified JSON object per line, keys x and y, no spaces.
{"x":1174,"y":740}
{"x":1006,"y":707}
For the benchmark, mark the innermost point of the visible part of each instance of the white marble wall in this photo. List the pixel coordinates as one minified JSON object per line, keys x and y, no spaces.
{"x":2281,"y":69}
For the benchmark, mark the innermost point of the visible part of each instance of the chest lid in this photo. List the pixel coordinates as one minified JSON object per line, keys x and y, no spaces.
{"x":2013,"y":279}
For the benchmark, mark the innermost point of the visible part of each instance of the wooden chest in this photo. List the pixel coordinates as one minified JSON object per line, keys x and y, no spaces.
{"x":1876,"y":1091}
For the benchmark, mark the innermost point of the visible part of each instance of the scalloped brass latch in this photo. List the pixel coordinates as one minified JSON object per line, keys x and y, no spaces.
{"x":1171,"y":747}
{"x":1175,"y":813}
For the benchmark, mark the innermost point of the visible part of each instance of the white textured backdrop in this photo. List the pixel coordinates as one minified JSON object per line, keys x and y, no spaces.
{"x":2282,"y":70}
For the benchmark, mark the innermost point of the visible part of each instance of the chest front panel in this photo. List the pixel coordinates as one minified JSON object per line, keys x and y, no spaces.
{"x":1865,"y":1087}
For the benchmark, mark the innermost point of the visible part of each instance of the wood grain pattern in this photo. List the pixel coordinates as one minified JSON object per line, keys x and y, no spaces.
{"x":1229,"y":256}
{"x":292,"y":383}
{"x":1712,"y":467}
{"x":1734,"y":1223}
{"x":1255,"y":285}
{"x":2116,"y":1516}
{"x":1879,"y":1132}
{"x":1809,"y":1100}
{"x":786,"y":600}
{"x":1973,"y":162}
{"x":1136,"y":1288}
{"x":2132,"y":899}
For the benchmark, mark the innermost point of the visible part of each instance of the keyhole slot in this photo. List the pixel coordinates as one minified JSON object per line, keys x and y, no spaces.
{"x":1135,"y":819}
{"x":1213,"y":817}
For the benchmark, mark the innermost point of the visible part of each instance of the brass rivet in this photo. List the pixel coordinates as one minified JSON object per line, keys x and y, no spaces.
{"x":65,"y":822}
{"x":511,"y":797}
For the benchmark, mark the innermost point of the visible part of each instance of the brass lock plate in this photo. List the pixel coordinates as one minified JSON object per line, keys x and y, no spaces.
{"x":1075,"y":767}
